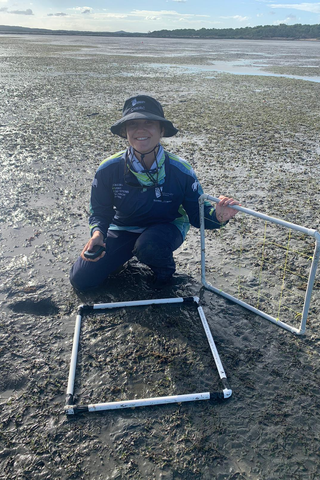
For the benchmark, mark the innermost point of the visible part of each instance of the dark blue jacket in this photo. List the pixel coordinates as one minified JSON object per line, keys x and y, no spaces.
{"x":119,"y":201}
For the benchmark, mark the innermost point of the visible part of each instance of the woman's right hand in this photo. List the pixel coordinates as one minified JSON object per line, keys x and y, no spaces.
{"x":95,"y":240}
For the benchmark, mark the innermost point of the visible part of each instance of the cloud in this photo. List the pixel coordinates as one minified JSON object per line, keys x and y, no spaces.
{"x":306,"y":7}
{"x":180,"y":1}
{"x":57,"y":14}
{"x":165,"y":13}
{"x":81,"y":9}
{"x":239,"y":18}
{"x":18,"y":12}
{"x":290,"y":18}
{"x":140,"y":15}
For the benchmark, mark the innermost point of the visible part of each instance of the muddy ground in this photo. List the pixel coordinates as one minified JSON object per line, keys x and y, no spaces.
{"x":252,"y":137}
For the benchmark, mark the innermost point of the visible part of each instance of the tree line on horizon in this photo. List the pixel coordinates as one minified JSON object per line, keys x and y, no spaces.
{"x":297,"y":31}
{"x":261,"y":32}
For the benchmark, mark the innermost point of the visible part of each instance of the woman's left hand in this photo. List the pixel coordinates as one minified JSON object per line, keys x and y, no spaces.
{"x":223,"y":210}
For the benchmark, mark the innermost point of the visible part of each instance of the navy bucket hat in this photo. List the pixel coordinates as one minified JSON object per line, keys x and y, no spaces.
{"x":143,"y":107}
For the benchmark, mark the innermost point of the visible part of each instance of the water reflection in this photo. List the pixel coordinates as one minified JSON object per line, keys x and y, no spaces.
{"x":236,"y":68}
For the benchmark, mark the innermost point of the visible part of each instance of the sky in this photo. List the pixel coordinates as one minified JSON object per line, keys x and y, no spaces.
{"x":146,"y":15}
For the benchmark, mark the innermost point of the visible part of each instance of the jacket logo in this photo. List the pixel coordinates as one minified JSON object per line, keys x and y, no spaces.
{"x":195,"y":186}
{"x":158,"y":191}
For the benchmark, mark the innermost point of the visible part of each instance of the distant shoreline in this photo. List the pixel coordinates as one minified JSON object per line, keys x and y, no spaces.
{"x":267,"y":32}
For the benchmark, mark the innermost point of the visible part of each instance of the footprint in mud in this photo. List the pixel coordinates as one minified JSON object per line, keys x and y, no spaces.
{"x":35,"y":307}
{"x":15,"y":380}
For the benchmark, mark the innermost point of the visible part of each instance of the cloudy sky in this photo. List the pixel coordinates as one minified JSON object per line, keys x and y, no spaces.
{"x":146,"y":15}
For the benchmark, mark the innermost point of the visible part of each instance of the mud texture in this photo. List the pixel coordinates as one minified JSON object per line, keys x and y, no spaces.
{"x":255,"y":138}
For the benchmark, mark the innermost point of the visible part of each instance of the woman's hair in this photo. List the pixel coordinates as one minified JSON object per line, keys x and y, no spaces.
{"x":123,"y":131}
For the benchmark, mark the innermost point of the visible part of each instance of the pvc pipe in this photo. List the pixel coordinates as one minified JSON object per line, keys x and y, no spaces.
{"x":312,"y":276}
{"x":138,"y":303}
{"x":202,"y":239}
{"x":74,"y":355}
{"x":253,"y":309}
{"x":144,"y":402}
{"x":293,"y":226}
{"x":213,"y":347}
{"x":227,"y":392}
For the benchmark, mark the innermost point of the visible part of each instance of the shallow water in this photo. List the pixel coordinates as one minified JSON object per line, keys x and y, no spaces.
{"x":234,"y":68}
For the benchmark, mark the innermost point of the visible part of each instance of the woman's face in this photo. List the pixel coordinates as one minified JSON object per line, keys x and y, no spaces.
{"x":143,"y":135}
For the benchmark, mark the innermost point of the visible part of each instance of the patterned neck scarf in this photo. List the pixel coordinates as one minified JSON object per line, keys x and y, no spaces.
{"x":155,"y":175}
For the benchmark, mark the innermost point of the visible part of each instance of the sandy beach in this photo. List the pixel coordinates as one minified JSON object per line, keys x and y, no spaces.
{"x":252,"y":134}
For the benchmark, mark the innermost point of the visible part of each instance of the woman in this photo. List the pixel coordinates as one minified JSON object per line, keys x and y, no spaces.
{"x":143,"y":201}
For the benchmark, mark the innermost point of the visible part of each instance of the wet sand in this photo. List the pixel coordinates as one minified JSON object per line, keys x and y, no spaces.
{"x":255,"y":138}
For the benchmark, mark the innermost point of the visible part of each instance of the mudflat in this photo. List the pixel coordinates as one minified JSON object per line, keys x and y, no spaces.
{"x":252,"y":134}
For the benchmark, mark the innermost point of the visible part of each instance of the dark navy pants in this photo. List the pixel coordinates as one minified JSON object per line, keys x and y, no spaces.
{"x":153,"y":247}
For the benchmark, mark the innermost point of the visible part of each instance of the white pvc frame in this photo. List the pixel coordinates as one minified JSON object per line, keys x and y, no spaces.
{"x":312,"y":274}
{"x":71,"y":409}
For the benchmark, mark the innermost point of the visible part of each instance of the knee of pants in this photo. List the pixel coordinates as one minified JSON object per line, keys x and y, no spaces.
{"x":82,"y":281}
{"x":79,"y":283}
{"x":151,"y":253}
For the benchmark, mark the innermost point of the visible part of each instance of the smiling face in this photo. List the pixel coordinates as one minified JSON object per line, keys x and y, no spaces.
{"x":143,"y":135}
